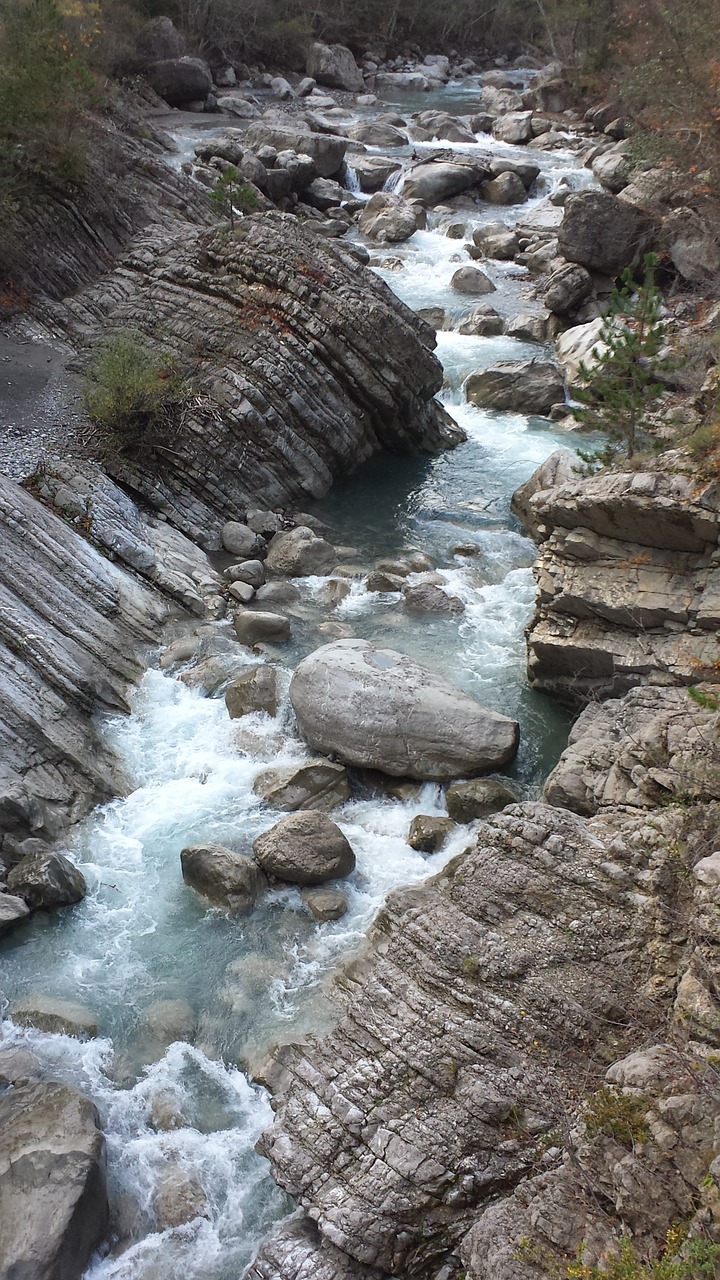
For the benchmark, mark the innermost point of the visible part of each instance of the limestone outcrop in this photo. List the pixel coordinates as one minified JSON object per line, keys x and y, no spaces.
{"x":304,"y":362}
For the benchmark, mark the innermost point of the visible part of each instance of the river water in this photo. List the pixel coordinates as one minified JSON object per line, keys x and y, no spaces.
{"x":141,"y":936}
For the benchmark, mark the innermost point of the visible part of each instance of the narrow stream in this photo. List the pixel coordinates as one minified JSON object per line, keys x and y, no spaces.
{"x":141,"y":936}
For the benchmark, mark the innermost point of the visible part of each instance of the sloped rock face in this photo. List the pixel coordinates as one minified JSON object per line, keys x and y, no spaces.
{"x":628,"y":583}
{"x":52,"y":1182}
{"x":309,"y":362}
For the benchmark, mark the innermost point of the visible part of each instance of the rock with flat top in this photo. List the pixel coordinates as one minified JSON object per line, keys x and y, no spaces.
{"x":315,"y":784}
{"x":477,"y":799}
{"x":376,"y":708}
{"x":518,"y":386}
{"x":252,"y":628}
{"x":50,"y":1013}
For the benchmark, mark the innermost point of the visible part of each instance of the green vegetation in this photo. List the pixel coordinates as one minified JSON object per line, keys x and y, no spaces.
{"x":622,"y":389}
{"x":136,"y":397}
{"x":232,"y":195}
{"x":617,"y":1115}
{"x":681,"y":1258}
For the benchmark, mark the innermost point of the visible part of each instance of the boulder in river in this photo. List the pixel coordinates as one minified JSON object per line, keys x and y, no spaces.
{"x":379,"y":709}
{"x":428,"y":833}
{"x":180,"y":80}
{"x":426,"y":597}
{"x":431,"y":183}
{"x":471,"y":280}
{"x":227,"y":878}
{"x":374,"y":171}
{"x":314,"y":784}
{"x":519,"y":386}
{"x":304,"y":848}
{"x":325,"y":150}
{"x":604,"y":233}
{"x":506,"y":188}
{"x":253,"y":628}
{"x":300,"y":553}
{"x":50,"y":1013}
{"x":12,"y":911}
{"x":514,"y":127}
{"x":334,"y":65}
{"x":47,"y":880}
{"x":477,"y":799}
{"x":52,"y":1182}
{"x":388,"y":218}
{"x":255,"y":689}
{"x":496,"y":241}
{"x":325,"y":904}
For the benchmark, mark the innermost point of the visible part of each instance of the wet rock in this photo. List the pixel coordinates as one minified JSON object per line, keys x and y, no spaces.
{"x":325,"y":904}
{"x":375,"y":134}
{"x":304,"y":848}
{"x":241,"y":592}
{"x":374,"y":171}
{"x":227,"y":878}
{"x":168,"y":1021}
{"x":300,"y":553}
{"x":335,"y":66}
{"x":432,"y":183}
{"x":496,"y":241}
{"x":278,"y":593}
{"x":522,"y":386}
{"x":250,"y":571}
{"x":471,"y":280}
{"x":334,"y":591}
{"x":180,"y":80}
{"x":525,"y":171}
{"x":315,"y":784}
{"x":507,"y":188}
{"x":52,"y":1182}
{"x":239,"y":540}
{"x":427,"y":833}
{"x":378,"y":580}
{"x":388,"y":218}
{"x":253,"y":627}
{"x":378,"y":709}
{"x":477,"y":799}
{"x":255,"y":689}
{"x":567,"y":289}
{"x":334,"y":630}
{"x":49,"y":1013}
{"x":325,"y":150}
{"x":178,"y":1198}
{"x":603,"y":233}
{"x":12,"y":912}
{"x":515,"y":127}
{"x":211,"y":673}
{"x":426,"y":598}
{"x":47,"y":880}
{"x":484,"y":322}
{"x":18,"y":1064}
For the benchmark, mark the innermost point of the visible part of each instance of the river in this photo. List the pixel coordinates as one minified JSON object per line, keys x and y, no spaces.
{"x":141,"y":936}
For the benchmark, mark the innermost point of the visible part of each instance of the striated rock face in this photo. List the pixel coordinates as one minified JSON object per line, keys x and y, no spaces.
{"x":628,"y":582}
{"x":307,"y":363}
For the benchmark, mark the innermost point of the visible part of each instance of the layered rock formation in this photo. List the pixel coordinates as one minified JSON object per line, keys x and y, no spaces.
{"x":446,"y":1111}
{"x":305,"y":365}
{"x":628,"y":580}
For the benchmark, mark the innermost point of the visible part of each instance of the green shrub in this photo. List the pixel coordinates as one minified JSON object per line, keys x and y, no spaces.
{"x":137,"y":398}
{"x":232,"y":195}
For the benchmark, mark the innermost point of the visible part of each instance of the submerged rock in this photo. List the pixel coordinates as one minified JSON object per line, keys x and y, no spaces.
{"x":315,"y":784}
{"x":325,"y":904}
{"x":52,"y":1182}
{"x":379,"y":709}
{"x":305,"y":848}
{"x":230,"y":879}
{"x":178,"y":1198}
{"x":50,"y":1013}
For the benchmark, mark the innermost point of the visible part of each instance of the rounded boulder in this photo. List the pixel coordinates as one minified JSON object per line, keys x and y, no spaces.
{"x":378,"y":709}
{"x":304,"y":848}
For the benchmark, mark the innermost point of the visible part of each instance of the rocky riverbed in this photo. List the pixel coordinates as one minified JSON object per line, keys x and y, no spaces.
{"x":519,"y":944}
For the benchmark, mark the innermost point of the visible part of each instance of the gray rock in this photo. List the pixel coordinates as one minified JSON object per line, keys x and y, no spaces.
{"x":228,"y":145}
{"x":282,"y":88}
{"x":427,"y":833}
{"x":250,"y":571}
{"x":180,"y":80}
{"x":567,"y":289}
{"x":520,"y":386}
{"x":424,"y":597}
{"x":47,"y":880}
{"x":227,"y":878}
{"x":49,"y":1013}
{"x":334,"y":65}
{"x":278,"y":593}
{"x":178,"y":1198}
{"x":374,"y":134}
{"x":693,"y":245}
{"x":374,"y":171}
{"x":18,"y":1064}
{"x":170,"y":1020}
{"x":304,"y":848}
{"x":325,"y":904}
{"x":507,"y":188}
{"x":326,"y":151}
{"x":378,"y":580}
{"x":603,"y":233}
{"x":471,"y":280}
{"x":52,"y":1182}
{"x":432,"y":183}
{"x":315,"y":784}
{"x":240,"y":540}
{"x":306,"y":86}
{"x":496,"y":241}
{"x":210,"y":674}
{"x":255,"y":689}
{"x":482,"y":323}
{"x":477,"y":799}
{"x":12,"y":911}
{"x":388,"y":218}
{"x":253,"y":627}
{"x":528,"y":327}
{"x":378,"y":709}
{"x":515,"y":127}
{"x":300,"y":553}
{"x":241,"y":591}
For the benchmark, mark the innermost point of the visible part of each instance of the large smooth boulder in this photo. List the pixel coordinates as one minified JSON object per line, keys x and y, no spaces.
{"x":180,"y":80}
{"x":612,"y":169}
{"x":305,"y":847}
{"x":436,"y":181}
{"x":255,"y":689}
{"x":52,"y":1014}
{"x":580,"y":345}
{"x":240,"y":540}
{"x":517,"y":386}
{"x":300,"y":553}
{"x":47,"y":880}
{"x":604,"y":233}
{"x":253,"y":628}
{"x":379,"y":709}
{"x":334,"y":65}
{"x":471,"y":280}
{"x":53,"y":1195}
{"x":227,"y":878}
{"x":376,"y":134}
{"x":315,"y":784}
{"x":327,"y":151}
{"x":388,"y":218}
